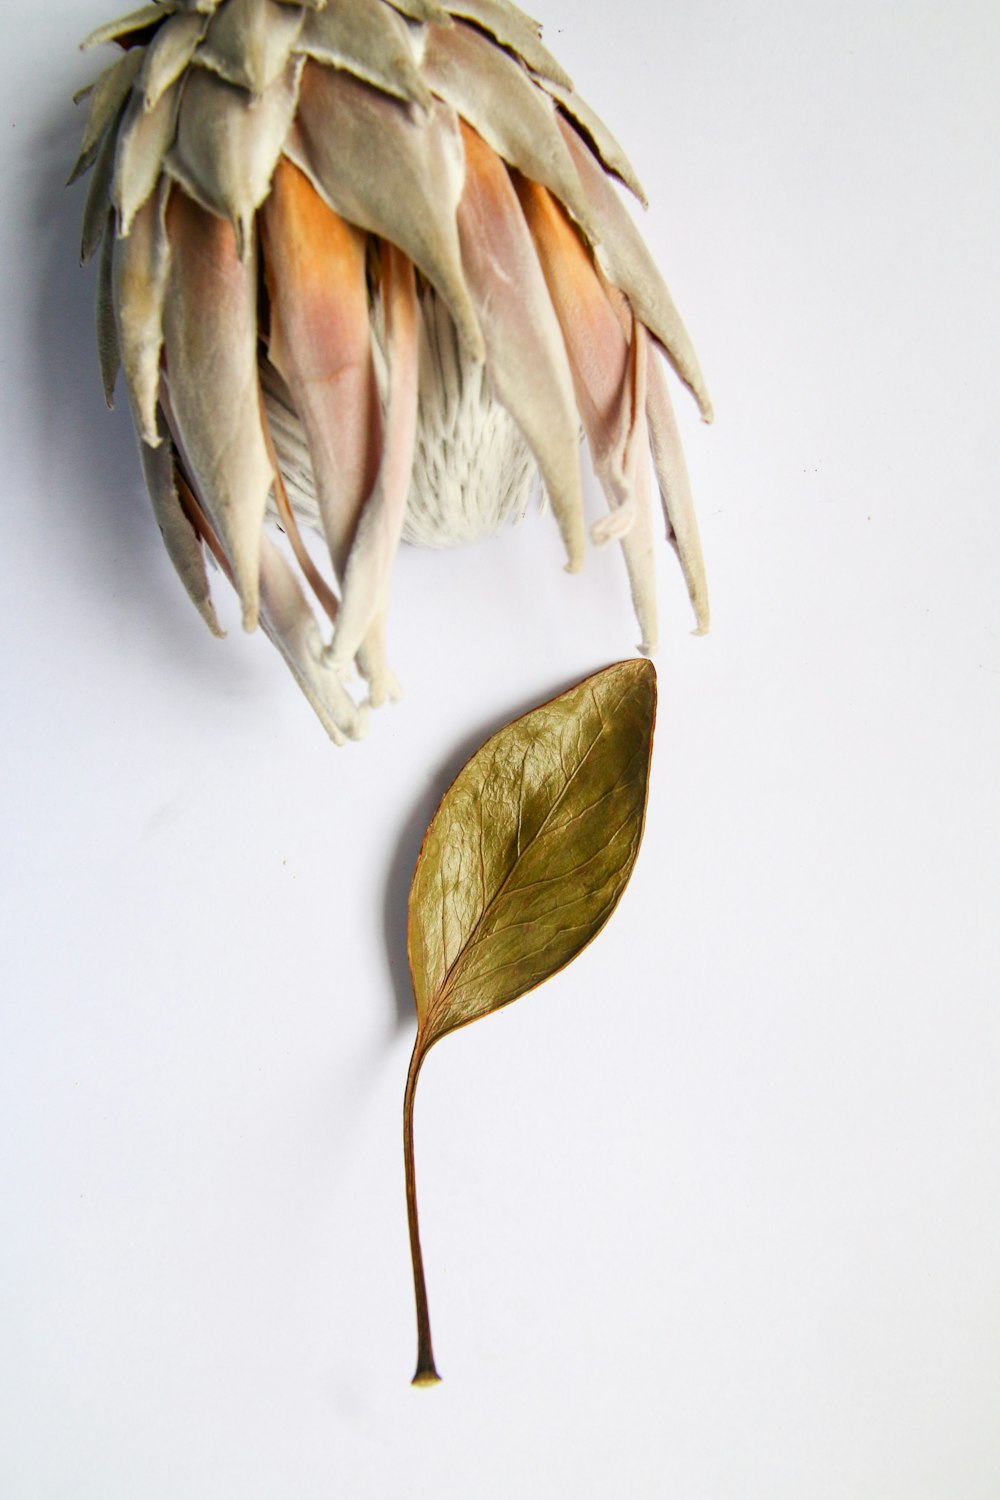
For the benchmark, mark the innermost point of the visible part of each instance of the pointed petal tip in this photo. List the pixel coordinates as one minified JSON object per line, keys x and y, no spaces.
{"x":386,"y":689}
{"x":251,"y":616}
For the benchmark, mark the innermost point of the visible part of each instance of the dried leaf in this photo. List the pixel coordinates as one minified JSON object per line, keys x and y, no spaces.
{"x":523,"y":863}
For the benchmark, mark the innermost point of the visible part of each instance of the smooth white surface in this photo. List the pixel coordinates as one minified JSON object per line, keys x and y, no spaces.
{"x":716,"y":1215}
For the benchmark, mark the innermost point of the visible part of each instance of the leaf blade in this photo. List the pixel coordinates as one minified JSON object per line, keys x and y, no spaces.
{"x":530,"y":849}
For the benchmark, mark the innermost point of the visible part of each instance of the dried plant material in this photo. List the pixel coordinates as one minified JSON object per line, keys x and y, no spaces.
{"x":523,"y":863}
{"x":365,"y":269}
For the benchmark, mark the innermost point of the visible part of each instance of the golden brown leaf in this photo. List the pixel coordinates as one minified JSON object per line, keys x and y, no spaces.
{"x":523,"y":863}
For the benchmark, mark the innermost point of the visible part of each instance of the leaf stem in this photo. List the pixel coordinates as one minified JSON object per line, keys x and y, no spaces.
{"x":426,"y":1374}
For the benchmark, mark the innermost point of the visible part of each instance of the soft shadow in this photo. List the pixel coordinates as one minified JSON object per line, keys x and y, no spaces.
{"x":100,"y":535}
{"x":85,"y":447}
{"x":404,"y":861}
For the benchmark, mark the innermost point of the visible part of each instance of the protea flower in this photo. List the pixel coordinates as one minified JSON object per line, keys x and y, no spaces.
{"x":363,"y":265}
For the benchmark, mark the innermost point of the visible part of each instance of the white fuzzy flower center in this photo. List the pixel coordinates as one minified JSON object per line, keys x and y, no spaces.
{"x":472,"y":470}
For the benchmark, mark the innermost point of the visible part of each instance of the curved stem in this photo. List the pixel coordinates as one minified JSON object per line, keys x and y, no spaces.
{"x":425,"y":1374}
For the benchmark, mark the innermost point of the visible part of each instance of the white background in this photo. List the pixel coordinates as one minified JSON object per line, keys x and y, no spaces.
{"x":716,"y":1214}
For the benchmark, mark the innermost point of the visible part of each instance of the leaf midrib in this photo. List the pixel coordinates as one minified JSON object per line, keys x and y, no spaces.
{"x":442,"y":994}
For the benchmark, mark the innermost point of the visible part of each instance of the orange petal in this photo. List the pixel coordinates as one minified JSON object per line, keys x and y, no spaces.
{"x":609,"y":374}
{"x":321,"y":344}
{"x":525,"y":353}
{"x":597,"y":347}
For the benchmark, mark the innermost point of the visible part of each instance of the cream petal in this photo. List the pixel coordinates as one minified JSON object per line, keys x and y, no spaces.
{"x":398,"y":176}
{"x":169,"y":53}
{"x":598,"y":134}
{"x":141,"y":268}
{"x":675,"y":491}
{"x":517,"y":14}
{"x":320,"y":342}
{"x":107,"y":95}
{"x":422,"y":10}
{"x":637,"y":545}
{"x":525,"y":355}
{"x":248,"y":42}
{"x":637,"y":536}
{"x":627,"y":263}
{"x":491,"y":90}
{"x":228,"y":144}
{"x":381,"y":523}
{"x":179,"y":536}
{"x":383,"y":685}
{"x":291,"y":625}
{"x":370,"y":41}
{"x":136,"y":20}
{"x":515,"y":30}
{"x":144,"y":139}
{"x":210,"y":342}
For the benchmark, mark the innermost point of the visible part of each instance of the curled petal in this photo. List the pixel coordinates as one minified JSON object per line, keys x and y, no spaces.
{"x":627,"y":263}
{"x":248,"y":41}
{"x":169,"y":53}
{"x":291,"y":626}
{"x":140,"y":272}
{"x":379,"y":529}
{"x":107,"y":96}
{"x":525,"y":354}
{"x":394,"y":175}
{"x":422,"y":10}
{"x":228,"y":144}
{"x":513,"y":29}
{"x":210,"y":341}
{"x":675,"y":491}
{"x":180,"y":538}
{"x":595,"y":130}
{"x":136,"y":20}
{"x":370,"y":41}
{"x":199,"y":7}
{"x":637,"y":539}
{"x":143,"y":141}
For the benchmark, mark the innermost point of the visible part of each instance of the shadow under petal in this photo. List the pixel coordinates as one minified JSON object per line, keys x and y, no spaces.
{"x":101,"y":539}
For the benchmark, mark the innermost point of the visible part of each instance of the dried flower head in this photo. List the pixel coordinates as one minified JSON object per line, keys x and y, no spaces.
{"x":363,"y":265}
